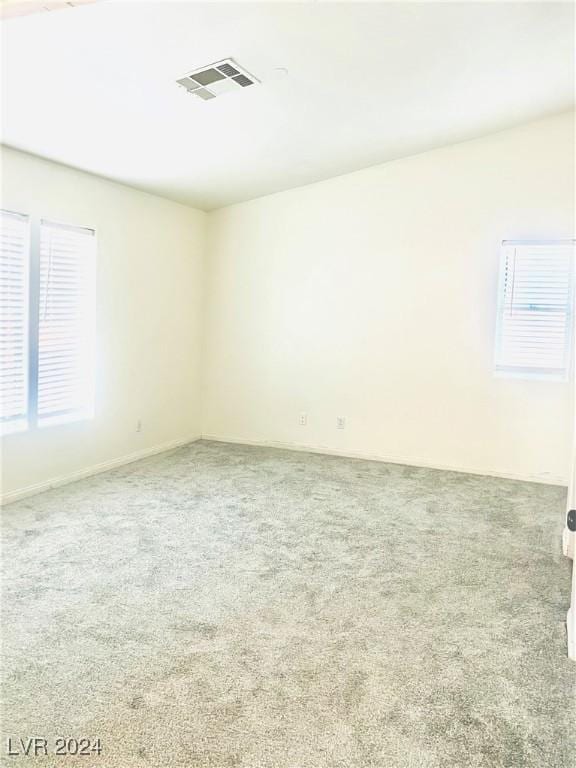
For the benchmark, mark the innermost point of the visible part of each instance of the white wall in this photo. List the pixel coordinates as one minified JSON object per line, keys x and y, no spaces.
{"x":373,"y":296}
{"x":370,"y":296}
{"x":149,"y":304}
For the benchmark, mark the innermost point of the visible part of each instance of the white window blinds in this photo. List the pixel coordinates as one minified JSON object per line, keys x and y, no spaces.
{"x":13,"y":321}
{"x":65,"y":326}
{"x":535,"y":312}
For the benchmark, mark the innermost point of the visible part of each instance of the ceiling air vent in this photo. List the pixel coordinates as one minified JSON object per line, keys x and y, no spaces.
{"x":218,"y":78}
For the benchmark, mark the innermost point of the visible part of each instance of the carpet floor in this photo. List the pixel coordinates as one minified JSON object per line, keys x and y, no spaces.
{"x":223,"y":605}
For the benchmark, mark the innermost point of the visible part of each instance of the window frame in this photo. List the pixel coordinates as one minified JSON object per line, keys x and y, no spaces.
{"x":31,"y":423}
{"x":22,"y":424}
{"x":528,"y":373}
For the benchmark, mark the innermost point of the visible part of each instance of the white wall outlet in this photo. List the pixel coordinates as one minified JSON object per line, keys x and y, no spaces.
{"x":340,"y":422}
{"x":139,"y":425}
{"x":303,"y":419}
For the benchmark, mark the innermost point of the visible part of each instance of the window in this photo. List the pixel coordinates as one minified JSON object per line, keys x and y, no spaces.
{"x":535,"y":310}
{"x":65,"y":327}
{"x":13,"y":320}
{"x":47,"y":328}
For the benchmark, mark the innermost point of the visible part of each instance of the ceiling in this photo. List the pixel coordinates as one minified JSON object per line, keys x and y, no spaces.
{"x":11,"y":8}
{"x":94,"y":87}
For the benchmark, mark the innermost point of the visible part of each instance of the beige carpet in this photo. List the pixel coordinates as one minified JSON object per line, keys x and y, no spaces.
{"x":231,"y":606}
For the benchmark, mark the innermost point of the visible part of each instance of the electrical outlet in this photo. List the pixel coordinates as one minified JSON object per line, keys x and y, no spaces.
{"x":303,"y":419}
{"x":139,"y":426}
{"x":340,"y":422}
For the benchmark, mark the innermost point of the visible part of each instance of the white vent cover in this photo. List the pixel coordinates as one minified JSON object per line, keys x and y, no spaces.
{"x":216,"y":79}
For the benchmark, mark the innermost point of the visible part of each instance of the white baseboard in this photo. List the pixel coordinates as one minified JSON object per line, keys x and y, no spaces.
{"x":387,"y":459}
{"x":95,"y":469}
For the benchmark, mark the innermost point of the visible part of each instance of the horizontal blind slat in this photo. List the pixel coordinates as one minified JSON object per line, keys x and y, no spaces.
{"x":66,"y":288}
{"x":535,"y":308}
{"x":13,"y":316}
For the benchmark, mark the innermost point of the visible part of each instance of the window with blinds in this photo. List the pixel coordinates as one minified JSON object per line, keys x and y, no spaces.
{"x":14,"y":288}
{"x":47,"y":283}
{"x":65,"y":323}
{"x":535,"y":312}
